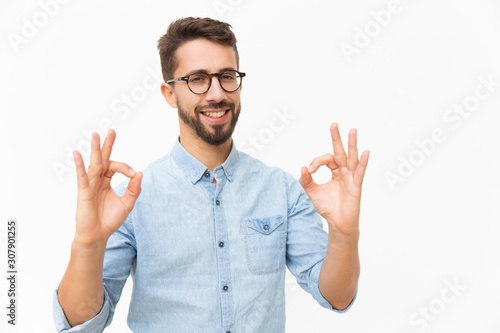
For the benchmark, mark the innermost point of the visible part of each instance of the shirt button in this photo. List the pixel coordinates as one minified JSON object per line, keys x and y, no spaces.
{"x":207,"y":174}
{"x":221,"y":244}
{"x":266,"y":227}
{"x":225,"y":288}
{"x":217,"y":202}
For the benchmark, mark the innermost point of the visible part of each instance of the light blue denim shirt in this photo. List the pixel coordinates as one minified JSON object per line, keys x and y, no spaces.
{"x":208,"y":258}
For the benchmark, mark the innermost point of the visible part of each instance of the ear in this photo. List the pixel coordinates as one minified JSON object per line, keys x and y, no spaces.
{"x":168,"y":92}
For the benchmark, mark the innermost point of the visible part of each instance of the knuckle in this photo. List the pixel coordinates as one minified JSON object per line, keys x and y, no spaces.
{"x":341,"y":155}
{"x":97,"y":167}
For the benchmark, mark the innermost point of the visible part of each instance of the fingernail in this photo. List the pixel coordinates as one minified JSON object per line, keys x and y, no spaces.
{"x":310,"y":168}
{"x":132,"y":172}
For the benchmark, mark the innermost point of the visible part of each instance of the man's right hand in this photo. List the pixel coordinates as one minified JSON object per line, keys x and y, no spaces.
{"x":100,"y":212}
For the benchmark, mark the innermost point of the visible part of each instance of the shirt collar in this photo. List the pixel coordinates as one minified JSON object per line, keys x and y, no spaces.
{"x":195,"y":169}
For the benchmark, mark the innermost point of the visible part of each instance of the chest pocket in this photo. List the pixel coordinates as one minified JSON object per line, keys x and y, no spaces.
{"x":265,"y":244}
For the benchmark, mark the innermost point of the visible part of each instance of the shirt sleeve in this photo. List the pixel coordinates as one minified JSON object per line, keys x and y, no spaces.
{"x":96,"y":324}
{"x":119,"y":260}
{"x":306,"y":242}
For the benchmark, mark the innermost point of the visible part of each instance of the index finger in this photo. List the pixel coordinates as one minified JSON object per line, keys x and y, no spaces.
{"x":338,"y":149}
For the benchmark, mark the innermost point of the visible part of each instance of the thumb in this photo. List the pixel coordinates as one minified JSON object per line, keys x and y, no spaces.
{"x":133,"y":191}
{"x":306,"y":180}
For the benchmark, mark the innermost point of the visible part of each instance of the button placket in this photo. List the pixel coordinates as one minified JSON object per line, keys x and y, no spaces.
{"x":223,"y":258}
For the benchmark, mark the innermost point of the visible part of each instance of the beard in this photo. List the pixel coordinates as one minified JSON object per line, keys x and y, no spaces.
{"x":216,"y":135}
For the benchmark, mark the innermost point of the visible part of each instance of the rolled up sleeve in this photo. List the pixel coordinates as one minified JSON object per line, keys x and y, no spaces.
{"x":93,"y":325}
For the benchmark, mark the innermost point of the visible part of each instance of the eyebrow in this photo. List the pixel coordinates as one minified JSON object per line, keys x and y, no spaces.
{"x":205,"y":71}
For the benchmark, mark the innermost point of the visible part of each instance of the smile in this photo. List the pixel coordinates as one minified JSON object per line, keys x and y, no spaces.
{"x":215,"y":114}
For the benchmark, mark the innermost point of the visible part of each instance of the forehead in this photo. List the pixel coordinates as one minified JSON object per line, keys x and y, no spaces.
{"x":202,"y":54}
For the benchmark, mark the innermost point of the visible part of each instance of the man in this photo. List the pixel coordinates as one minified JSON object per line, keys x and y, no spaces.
{"x":208,"y":238}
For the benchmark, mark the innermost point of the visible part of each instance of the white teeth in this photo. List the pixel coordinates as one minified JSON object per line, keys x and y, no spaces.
{"x":215,"y":114}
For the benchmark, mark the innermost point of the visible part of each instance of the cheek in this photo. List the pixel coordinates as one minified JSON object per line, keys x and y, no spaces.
{"x":235,"y":99}
{"x":189,"y":102}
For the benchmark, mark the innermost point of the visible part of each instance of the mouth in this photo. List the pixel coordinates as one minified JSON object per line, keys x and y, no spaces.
{"x":215,"y":114}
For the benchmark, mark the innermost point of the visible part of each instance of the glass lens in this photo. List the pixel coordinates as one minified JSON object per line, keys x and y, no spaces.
{"x":230,"y":80}
{"x":199,"y":82}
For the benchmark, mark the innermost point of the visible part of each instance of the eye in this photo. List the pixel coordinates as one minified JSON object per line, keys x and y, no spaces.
{"x":228,"y":76}
{"x":198,"y":78}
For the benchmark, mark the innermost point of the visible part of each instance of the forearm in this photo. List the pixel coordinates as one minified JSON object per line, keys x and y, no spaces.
{"x":81,"y":292}
{"x":339,"y":273}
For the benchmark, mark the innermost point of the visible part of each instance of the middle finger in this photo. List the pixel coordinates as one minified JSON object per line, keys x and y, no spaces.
{"x":338,"y":149}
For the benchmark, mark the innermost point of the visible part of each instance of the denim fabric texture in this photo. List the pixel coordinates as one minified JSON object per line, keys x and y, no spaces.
{"x":210,"y":258}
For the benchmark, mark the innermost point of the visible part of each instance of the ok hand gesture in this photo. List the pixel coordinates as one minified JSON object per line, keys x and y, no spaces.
{"x":100,"y":212}
{"x":338,"y":200}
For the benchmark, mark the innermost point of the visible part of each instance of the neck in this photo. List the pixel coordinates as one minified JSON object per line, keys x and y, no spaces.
{"x":211,"y":156}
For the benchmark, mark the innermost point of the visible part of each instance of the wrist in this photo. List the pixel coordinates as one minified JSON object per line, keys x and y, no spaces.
{"x":339,"y":238}
{"x":95,"y":248}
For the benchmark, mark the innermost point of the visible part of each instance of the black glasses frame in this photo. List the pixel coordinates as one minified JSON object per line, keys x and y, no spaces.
{"x":218,"y":75}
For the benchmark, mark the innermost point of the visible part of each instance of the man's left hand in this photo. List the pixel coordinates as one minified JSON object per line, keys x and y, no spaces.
{"x":338,"y":200}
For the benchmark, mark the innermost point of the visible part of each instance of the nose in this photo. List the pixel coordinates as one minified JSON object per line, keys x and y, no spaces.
{"x":215,"y":93}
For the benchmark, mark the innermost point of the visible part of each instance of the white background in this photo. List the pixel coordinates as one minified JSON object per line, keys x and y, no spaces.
{"x":438,"y":222}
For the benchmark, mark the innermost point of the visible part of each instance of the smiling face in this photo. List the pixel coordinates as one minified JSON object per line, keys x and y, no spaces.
{"x":211,"y":116}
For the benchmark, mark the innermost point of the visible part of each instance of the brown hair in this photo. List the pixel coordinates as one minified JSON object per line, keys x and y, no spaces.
{"x":187,"y":29}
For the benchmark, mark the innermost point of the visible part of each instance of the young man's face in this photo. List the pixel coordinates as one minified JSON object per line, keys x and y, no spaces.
{"x":201,"y":114}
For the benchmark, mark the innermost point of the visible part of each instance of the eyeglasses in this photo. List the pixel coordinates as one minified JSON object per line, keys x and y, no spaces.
{"x":200,"y":82}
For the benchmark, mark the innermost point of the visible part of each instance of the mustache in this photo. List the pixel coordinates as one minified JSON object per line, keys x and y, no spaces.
{"x":211,"y":106}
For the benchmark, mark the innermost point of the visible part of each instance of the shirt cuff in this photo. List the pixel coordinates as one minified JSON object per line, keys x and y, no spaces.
{"x":93,"y":325}
{"x":319,"y":297}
